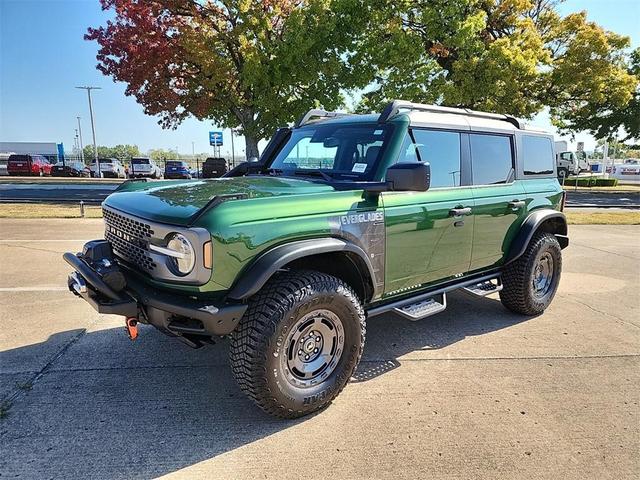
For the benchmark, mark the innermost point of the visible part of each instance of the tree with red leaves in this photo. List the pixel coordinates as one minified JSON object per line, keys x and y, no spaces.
{"x":252,"y":64}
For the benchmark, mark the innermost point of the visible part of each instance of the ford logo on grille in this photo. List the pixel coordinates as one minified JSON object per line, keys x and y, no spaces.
{"x":125,"y":236}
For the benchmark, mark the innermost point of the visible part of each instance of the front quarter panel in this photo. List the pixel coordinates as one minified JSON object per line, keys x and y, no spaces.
{"x":243,"y":230}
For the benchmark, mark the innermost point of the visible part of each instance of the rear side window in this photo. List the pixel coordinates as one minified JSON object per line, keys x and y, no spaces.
{"x":491,"y":159}
{"x":537,"y":153}
{"x":441,"y":150}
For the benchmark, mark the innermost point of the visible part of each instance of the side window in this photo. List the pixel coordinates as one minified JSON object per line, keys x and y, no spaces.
{"x":491,"y":158}
{"x":537,"y":155}
{"x":440,"y":149}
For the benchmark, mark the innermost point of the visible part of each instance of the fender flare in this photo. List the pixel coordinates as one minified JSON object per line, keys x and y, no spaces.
{"x":530,"y":226}
{"x":252,"y":279}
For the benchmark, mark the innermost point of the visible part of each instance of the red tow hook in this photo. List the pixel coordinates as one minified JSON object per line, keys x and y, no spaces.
{"x":131,"y":324}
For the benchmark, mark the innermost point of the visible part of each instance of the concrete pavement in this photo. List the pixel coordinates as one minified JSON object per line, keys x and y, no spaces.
{"x":475,"y":392}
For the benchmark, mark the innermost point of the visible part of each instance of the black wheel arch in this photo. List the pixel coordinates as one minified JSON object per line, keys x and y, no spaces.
{"x":544,"y":220}
{"x":335,"y":256}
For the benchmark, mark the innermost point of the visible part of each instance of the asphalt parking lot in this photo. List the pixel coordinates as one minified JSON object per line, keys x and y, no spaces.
{"x":475,"y":392}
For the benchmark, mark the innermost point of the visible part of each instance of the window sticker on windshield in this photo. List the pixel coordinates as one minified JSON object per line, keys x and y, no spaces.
{"x":377,"y":132}
{"x":359,"y":167}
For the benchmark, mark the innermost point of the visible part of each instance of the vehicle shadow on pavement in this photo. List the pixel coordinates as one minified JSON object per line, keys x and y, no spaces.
{"x":109,"y":408}
{"x":391,"y":336}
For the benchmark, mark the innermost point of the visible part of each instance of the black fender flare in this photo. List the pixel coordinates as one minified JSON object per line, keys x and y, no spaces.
{"x":530,"y":226}
{"x":252,"y":279}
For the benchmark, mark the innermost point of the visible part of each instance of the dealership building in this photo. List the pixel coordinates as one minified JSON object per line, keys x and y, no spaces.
{"x":51,"y":150}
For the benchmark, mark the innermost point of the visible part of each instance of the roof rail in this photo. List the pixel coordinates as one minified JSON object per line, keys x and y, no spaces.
{"x":394,"y":107}
{"x":314,"y":112}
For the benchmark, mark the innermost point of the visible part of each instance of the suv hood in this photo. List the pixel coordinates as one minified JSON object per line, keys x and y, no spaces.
{"x":178,"y":203}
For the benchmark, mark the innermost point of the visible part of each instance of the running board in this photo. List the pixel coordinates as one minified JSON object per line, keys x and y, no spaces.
{"x":415,"y":311}
{"x":483,"y":289}
{"x":396,"y":306}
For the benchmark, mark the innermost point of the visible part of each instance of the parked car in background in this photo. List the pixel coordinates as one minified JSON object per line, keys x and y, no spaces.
{"x":70,"y":169}
{"x":214,"y":167}
{"x":144,"y":167}
{"x":109,"y":168}
{"x":177,"y":169}
{"x":4,"y":158}
{"x":28,"y":165}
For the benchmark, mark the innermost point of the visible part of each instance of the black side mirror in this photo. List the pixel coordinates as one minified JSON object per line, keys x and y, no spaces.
{"x":409,"y":177}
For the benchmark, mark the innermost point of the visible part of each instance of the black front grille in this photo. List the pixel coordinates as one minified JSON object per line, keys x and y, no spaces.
{"x":129,"y":239}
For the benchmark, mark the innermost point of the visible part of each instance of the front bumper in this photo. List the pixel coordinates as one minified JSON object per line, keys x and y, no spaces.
{"x":171,"y":313}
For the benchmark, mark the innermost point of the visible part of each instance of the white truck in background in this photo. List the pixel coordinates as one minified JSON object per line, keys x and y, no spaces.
{"x":568,"y":162}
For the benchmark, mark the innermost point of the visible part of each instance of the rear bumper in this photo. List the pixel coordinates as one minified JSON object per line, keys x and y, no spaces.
{"x":171,"y":313}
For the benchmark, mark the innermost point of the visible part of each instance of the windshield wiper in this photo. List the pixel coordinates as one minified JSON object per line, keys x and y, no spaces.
{"x":314,"y":173}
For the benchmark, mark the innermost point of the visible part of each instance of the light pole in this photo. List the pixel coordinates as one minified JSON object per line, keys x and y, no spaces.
{"x":93,"y":128}
{"x":80,"y":135}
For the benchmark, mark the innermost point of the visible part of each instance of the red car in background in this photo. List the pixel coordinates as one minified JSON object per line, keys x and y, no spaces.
{"x":28,"y":165}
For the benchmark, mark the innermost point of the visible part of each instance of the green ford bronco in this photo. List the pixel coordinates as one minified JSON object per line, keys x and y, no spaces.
{"x":344,"y":217}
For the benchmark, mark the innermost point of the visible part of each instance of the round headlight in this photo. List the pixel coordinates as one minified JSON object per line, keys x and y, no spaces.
{"x":185,"y":259}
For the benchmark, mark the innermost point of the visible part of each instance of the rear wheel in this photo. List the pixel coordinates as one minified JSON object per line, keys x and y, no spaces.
{"x":530,"y":283}
{"x":298,"y":343}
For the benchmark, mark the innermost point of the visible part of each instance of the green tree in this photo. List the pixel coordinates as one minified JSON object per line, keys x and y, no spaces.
{"x":121,"y":152}
{"x":253,"y":64}
{"x":609,"y":122}
{"x":505,"y":56}
{"x":160,"y":154}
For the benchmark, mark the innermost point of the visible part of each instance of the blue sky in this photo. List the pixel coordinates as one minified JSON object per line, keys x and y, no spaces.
{"x":43,"y":57}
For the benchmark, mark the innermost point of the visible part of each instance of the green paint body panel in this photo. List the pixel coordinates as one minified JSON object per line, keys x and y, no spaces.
{"x":422,"y":243}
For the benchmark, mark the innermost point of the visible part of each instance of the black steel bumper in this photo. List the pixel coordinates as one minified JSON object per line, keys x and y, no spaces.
{"x":174,"y":314}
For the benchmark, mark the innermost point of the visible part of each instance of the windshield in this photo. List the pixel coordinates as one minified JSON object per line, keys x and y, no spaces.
{"x":339,"y":151}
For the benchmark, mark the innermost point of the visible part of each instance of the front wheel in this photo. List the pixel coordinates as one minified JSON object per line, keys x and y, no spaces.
{"x":530,"y":283}
{"x":298,"y":343}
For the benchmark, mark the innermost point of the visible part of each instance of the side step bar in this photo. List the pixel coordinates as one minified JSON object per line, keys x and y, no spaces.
{"x":423,"y":309}
{"x":428,"y":303}
{"x":483,"y":289}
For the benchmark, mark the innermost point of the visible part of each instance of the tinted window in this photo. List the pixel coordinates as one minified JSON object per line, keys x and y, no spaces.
{"x":491,"y":159}
{"x":538,"y":155}
{"x":140,"y":161}
{"x":441,"y":150}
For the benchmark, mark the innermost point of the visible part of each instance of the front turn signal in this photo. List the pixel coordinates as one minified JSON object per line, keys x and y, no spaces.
{"x":208,"y":255}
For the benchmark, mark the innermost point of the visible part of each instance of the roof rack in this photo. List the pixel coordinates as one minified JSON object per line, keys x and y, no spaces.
{"x":394,"y":107}
{"x":314,"y":113}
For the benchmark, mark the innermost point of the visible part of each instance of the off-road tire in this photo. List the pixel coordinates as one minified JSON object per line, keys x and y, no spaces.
{"x":518,"y":292}
{"x":261,"y":339}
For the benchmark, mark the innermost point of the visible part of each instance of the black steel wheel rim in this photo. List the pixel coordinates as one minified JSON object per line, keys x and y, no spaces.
{"x":543,"y":275}
{"x":313,"y":348}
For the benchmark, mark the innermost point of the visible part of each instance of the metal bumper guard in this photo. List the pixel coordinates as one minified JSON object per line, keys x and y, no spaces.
{"x":168,"y":312}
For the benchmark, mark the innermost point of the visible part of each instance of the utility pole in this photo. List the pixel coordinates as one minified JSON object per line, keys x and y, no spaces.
{"x":93,"y":128}
{"x":75,"y":140}
{"x":80,"y":135}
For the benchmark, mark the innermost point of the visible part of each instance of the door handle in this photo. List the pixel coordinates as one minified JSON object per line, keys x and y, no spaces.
{"x":516,"y":204}
{"x":459,"y":212}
